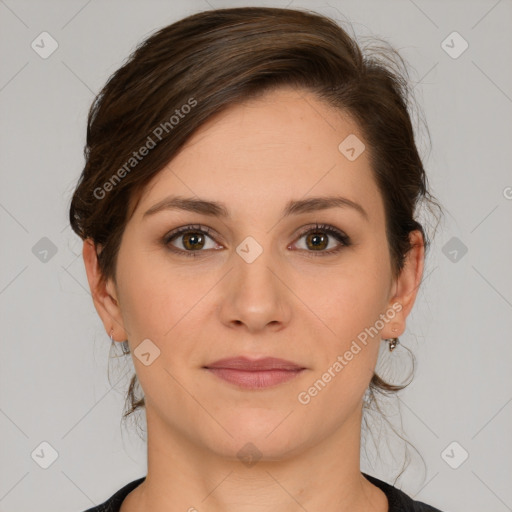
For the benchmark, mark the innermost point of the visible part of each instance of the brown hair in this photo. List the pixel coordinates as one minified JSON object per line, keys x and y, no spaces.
{"x":186,"y":72}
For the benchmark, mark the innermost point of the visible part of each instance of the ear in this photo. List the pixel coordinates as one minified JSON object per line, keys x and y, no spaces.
{"x":103,"y":293}
{"x":406,"y":286}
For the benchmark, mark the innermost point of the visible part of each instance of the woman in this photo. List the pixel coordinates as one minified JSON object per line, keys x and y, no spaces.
{"x":247,"y":209}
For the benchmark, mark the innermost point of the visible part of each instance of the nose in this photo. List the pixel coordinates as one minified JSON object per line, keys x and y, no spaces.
{"x":255,"y":296}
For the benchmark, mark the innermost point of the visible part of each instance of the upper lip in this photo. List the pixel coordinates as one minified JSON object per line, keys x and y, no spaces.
{"x":244,"y":363}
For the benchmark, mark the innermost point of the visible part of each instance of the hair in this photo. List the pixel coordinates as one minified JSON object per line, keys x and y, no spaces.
{"x":186,"y":72}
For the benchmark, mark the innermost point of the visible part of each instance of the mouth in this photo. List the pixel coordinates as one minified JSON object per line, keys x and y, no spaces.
{"x":255,"y":374}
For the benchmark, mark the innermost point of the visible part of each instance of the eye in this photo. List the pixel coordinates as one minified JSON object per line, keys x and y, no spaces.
{"x":193,"y":239}
{"x":317,"y":239}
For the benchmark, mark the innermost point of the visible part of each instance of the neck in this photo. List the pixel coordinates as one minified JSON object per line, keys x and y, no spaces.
{"x":187,"y":477}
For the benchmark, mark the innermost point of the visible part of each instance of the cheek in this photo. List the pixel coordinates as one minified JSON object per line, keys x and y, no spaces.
{"x":351,"y":341}
{"x":355,"y":296}
{"x":160,"y":301}
{"x":350,"y":310}
{"x":149,"y":296}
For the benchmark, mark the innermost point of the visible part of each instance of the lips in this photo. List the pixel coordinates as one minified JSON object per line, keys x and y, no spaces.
{"x":255,"y":373}
{"x":263,"y":364}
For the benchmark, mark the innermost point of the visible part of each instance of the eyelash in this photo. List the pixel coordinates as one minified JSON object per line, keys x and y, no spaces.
{"x":330,"y":230}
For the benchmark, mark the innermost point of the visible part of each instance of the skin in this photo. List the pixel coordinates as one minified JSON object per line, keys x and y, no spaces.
{"x":255,"y":157}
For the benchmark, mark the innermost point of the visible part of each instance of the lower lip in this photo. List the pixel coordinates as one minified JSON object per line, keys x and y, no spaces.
{"x":255,"y":379}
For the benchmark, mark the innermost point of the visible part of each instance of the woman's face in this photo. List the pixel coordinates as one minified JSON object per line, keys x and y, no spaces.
{"x":260,"y":283}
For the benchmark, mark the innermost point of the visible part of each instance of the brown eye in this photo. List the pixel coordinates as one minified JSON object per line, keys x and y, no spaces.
{"x":189,"y":240}
{"x":193,"y":240}
{"x":317,"y":239}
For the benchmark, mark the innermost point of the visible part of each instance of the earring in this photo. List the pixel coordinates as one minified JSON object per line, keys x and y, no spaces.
{"x":112,"y":335}
{"x":393,"y":342}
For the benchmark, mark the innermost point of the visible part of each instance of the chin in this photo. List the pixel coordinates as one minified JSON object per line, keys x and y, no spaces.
{"x":261,"y":434}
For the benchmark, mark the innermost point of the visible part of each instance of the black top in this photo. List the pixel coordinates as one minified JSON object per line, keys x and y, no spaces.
{"x":398,"y":500}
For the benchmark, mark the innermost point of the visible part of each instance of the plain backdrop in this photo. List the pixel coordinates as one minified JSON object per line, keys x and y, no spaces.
{"x":57,"y":406}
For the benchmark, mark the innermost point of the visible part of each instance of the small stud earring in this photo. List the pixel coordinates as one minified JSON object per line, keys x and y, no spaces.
{"x":393,"y":342}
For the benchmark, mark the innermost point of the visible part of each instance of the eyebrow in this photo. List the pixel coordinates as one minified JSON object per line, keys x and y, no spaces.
{"x":216,"y":209}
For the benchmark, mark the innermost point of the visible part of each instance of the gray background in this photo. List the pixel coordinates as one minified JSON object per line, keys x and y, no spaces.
{"x":53,"y":374}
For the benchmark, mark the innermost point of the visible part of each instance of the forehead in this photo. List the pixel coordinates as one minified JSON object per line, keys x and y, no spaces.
{"x":284,"y":144}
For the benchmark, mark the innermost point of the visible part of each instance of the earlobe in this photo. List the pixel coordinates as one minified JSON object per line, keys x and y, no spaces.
{"x":103,"y":293}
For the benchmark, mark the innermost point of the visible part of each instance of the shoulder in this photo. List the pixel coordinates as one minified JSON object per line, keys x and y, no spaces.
{"x":398,"y":500}
{"x":113,"y":504}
